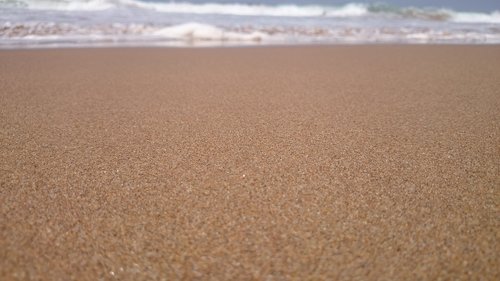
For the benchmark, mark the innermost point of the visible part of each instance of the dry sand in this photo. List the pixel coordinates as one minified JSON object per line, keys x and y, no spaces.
{"x":347,"y":162}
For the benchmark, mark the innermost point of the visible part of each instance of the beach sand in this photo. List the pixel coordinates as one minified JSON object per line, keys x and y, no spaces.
{"x":276,"y":163}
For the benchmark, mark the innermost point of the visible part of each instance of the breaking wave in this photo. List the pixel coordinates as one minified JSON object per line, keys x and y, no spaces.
{"x":237,"y":9}
{"x":200,"y":34}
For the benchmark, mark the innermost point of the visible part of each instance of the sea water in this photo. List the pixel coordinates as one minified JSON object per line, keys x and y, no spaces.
{"x":54,"y":23}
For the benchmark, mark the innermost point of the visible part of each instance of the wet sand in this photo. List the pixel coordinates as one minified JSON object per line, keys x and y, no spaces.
{"x":297,"y":163}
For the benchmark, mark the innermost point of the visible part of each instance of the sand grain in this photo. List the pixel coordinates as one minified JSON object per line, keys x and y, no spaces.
{"x":356,"y":163}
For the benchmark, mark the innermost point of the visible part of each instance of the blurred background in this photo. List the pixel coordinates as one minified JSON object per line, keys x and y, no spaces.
{"x":55,"y":23}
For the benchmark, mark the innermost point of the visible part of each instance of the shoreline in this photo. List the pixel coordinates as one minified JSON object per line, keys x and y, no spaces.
{"x":215,"y":45}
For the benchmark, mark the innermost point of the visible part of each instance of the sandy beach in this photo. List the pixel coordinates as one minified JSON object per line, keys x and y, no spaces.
{"x":275,"y":163}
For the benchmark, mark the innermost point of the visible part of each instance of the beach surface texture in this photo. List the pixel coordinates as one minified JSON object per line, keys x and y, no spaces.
{"x":277,"y":163}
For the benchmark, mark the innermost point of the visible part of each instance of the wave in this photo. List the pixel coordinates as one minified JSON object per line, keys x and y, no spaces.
{"x":195,"y":33}
{"x":237,"y":9}
{"x":348,"y":10}
{"x":468,"y":17}
{"x":191,"y":31}
{"x":61,"y":5}
{"x":198,"y":31}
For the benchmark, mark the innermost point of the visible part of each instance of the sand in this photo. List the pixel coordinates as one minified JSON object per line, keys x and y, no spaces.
{"x":278,"y":163}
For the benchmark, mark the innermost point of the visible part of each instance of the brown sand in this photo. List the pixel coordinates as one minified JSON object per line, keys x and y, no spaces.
{"x":356,"y":163}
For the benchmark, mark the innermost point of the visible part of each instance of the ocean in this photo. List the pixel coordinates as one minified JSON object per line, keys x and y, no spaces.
{"x":66,"y":23}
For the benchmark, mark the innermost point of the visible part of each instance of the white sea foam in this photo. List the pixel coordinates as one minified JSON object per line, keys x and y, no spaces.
{"x":198,"y":31}
{"x":349,"y":10}
{"x":466,"y":17}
